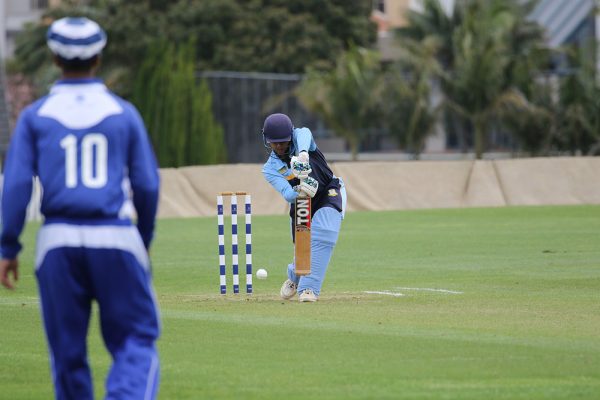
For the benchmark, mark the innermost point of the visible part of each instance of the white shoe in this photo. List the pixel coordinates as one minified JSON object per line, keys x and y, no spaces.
{"x":288,"y":289}
{"x":308,"y":295}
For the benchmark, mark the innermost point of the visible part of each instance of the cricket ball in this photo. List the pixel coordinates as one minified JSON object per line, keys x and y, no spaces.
{"x":261,"y":274}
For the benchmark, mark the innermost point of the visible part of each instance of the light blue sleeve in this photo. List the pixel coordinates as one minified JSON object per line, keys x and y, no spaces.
{"x":279,"y":182}
{"x":18,"y":174}
{"x":304,"y":140}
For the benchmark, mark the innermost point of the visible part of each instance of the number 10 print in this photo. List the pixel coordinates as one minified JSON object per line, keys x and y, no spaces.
{"x":94,"y":159}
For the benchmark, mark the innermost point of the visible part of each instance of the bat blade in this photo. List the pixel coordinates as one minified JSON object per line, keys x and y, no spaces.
{"x":302,"y":236}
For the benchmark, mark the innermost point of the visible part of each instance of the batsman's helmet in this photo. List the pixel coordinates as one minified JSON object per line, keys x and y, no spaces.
{"x":277,"y":128}
{"x":75,"y":38}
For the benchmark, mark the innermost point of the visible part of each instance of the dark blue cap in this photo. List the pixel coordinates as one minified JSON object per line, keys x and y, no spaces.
{"x":278,"y":128}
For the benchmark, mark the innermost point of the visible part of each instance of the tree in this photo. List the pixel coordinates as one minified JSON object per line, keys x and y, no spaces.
{"x":206,"y":143}
{"x":238,"y":35}
{"x":347,"y":97}
{"x":271,"y":35}
{"x":408,"y":108}
{"x":178,"y":109}
{"x":475,"y":87}
{"x":580,"y":106}
{"x":490,"y":53}
{"x":286,"y":36}
{"x":534,"y":123}
{"x":434,"y":24}
{"x":131,"y":28}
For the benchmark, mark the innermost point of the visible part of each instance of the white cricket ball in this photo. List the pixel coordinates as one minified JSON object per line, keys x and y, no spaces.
{"x":261,"y":274}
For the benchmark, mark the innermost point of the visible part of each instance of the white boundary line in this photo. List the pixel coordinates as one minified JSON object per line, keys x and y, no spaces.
{"x":385,"y":292}
{"x":430,"y":290}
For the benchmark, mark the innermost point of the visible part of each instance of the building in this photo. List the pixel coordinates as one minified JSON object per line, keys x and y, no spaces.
{"x":574,"y":22}
{"x":14,"y":14}
{"x":567,"y":21}
{"x":388,"y":14}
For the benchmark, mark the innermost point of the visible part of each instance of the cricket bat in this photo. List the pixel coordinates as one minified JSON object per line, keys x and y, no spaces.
{"x":302,"y":236}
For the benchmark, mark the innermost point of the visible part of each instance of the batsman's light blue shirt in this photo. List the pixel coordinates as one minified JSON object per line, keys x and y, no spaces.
{"x":276,"y":171}
{"x":75,"y":109}
{"x":279,"y":174}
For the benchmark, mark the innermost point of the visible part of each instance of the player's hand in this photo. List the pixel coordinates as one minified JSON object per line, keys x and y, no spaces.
{"x":309,"y":186}
{"x":8,"y":267}
{"x":300,"y":165}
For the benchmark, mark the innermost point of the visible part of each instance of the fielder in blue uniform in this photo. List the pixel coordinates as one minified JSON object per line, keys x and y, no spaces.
{"x":93,"y":158}
{"x":297,"y":167}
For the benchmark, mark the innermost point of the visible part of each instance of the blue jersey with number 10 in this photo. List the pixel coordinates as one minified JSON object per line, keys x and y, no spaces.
{"x":89,"y":149}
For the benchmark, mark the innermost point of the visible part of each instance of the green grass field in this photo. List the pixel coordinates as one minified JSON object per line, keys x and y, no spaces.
{"x":519,"y":317}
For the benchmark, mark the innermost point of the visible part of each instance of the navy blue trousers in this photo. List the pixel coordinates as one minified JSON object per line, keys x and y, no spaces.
{"x":76,"y":266}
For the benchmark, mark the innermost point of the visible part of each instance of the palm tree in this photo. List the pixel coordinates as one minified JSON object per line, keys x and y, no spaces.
{"x":408,"y":108}
{"x":534,"y":123}
{"x":347,"y":97}
{"x":488,"y":51}
{"x":434,"y":24}
{"x":580,"y":106}
{"x":497,"y":52}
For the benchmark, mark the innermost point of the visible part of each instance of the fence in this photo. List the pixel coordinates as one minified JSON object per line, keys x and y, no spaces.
{"x":241,"y":102}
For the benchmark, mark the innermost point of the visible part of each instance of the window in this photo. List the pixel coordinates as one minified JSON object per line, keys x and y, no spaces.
{"x":38,"y":4}
{"x":379,"y":5}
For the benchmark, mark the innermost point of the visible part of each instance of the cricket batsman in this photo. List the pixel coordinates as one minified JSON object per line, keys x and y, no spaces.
{"x":296,"y":167}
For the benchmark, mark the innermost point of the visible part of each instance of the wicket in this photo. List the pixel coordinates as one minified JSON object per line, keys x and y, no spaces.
{"x":234,"y":241}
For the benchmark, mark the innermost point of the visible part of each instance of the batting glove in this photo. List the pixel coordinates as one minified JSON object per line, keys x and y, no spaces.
{"x":303,"y":156}
{"x":300,"y":165}
{"x":309,"y":186}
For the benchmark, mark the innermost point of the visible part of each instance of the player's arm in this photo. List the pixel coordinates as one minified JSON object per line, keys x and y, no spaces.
{"x":280,"y":184}
{"x":144,"y":177}
{"x":308,"y":186}
{"x":304,"y":140}
{"x":8,"y":267}
{"x":18,"y":181}
{"x":300,"y":163}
